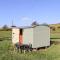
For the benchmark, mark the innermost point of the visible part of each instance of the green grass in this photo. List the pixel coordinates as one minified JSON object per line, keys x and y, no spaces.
{"x":7,"y":53}
{"x":5,"y":33}
{"x":55,"y":35}
{"x":7,"y":50}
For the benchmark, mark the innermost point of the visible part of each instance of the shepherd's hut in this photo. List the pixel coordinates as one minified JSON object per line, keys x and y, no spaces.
{"x":37,"y":36}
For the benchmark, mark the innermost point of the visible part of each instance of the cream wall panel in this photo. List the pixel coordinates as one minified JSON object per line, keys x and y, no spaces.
{"x":41,"y":36}
{"x":28,"y":36}
{"x":15,"y":35}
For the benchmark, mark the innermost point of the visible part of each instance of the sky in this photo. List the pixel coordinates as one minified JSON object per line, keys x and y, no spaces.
{"x":24,"y":12}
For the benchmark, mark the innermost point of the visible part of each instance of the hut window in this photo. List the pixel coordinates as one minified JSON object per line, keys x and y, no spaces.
{"x":21,"y":31}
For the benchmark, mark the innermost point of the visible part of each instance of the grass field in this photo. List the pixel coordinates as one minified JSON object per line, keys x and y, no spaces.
{"x":7,"y":52}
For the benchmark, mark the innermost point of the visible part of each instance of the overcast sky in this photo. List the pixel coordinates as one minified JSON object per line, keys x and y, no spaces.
{"x":24,"y":12}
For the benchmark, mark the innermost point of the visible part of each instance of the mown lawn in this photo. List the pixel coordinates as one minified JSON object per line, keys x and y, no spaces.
{"x":7,"y":51}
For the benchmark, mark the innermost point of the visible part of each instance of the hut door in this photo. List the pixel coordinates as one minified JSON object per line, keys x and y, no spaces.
{"x":21,"y":36}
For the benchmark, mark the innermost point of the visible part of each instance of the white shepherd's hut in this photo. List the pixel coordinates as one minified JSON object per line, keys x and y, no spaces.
{"x":38,"y":36}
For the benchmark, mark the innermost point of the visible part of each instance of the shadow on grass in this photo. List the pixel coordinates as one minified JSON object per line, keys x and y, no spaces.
{"x":54,"y":42}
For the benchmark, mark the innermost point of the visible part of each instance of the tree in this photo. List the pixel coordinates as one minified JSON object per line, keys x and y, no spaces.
{"x":5,"y":27}
{"x":34,"y":23}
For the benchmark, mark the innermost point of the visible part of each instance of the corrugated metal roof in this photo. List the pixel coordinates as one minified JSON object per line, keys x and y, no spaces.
{"x":24,"y":27}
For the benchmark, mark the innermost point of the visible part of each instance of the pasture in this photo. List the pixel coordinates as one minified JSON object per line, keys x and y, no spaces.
{"x":7,"y":50}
